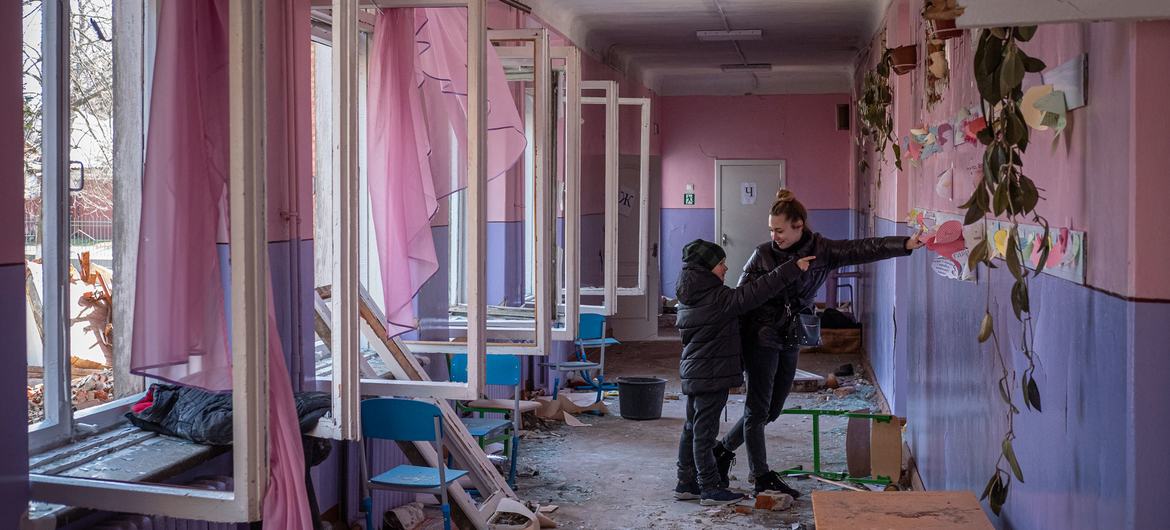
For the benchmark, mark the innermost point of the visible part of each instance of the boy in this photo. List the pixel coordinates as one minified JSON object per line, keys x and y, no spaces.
{"x":708,"y":321}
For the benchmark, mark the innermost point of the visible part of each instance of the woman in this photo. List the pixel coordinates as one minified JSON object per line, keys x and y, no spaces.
{"x":770,"y":343}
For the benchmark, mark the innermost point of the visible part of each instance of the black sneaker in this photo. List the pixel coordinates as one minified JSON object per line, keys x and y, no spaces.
{"x":720,"y":497}
{"x":771,"y":481}
{"x":724,"y":459}
{"x":687,"y":491}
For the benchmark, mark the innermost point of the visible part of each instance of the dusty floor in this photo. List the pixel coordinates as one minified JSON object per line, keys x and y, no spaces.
{"x":619,"y":473}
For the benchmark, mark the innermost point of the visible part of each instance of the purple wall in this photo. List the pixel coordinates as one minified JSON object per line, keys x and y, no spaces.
{"x":13,"y":406}
{"x":1094,"y":458}
{"x":505,"y":263}
{"x":885,"y":320}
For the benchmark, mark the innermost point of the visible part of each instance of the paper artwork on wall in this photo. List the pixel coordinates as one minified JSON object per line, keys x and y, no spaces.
{"x":951,"y":241}
{"x":1069,"y":78}
{"x":944,"y":184}
{"x":944,"y":237}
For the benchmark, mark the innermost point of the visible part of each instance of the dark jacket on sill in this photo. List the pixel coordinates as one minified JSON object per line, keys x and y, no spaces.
{"x":771,"y":324}
{"x":708,"y":321}
{"x":206,"y":417}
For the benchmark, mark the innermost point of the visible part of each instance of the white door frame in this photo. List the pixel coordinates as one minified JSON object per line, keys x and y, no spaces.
{"x":719,"y":186}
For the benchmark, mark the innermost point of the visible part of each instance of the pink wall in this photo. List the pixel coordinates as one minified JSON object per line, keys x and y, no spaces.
{"x":800,"y":129}
{"x":1151,"y":159}
{"x":1088,"y":176}
{"x":11,"y":140}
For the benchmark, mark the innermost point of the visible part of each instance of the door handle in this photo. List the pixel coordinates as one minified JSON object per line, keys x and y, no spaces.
{"x":724,"y":241}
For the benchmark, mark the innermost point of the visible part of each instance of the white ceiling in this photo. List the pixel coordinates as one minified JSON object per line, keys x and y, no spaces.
{"x":811,"y":44}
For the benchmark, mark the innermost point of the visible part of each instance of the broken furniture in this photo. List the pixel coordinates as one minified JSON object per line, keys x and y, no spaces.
{"x":886,"y":433}
{"x":400,"y":363}
{"x":405,"y":420}
{"x":501,"y":370}
{"x":591,"y":334}
{"x":936,"y":510}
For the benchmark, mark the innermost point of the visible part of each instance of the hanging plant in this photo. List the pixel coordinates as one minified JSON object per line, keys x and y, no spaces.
{"x":1004,"y":190}
{"x":873,"y":108}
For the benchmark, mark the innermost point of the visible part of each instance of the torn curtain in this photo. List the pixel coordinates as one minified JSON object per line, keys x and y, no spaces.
{"x":417,"y":130}
{"x":180,"y":329}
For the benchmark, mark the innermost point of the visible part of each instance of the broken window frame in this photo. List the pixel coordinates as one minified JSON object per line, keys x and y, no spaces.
{"x":539,"y":330}
{"x":249,"y":280}
{"x":609,"y":290}
{"x":346,"y":319}
{"x":644,"y":190}
{"x":61,"y":423}
{"x":568,"y":302}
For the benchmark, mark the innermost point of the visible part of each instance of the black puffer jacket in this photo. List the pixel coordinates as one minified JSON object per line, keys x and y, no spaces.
{"x":770,"y":325}
{"x":708,"y":321}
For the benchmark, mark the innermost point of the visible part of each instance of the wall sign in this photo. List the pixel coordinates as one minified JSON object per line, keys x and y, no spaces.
{"x":625,"y":201}
{"x":688,"y":198}
{"x":747,"y":192}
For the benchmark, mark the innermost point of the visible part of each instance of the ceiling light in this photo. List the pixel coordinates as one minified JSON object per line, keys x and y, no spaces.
{"x":729,"y":34}
{"x":745,"y":66}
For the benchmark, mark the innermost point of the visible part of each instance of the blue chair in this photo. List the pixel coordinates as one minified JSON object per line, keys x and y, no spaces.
{"x":591,"y":334}
{"x":405,"y":420}
{"x":502,"y":370}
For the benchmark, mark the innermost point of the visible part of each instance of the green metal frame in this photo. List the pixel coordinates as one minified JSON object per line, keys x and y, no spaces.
{"x":816,"y":436}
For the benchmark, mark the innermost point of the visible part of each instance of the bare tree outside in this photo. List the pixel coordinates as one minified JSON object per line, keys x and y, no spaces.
{"x":91,"y":208}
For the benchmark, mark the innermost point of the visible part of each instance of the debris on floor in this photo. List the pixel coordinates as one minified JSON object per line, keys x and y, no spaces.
{"x":774,"y":501}
{"x":845,"y":370}
{"x":572,"y":421}
{"x":575,"y":403}
{"x":513,"y":515}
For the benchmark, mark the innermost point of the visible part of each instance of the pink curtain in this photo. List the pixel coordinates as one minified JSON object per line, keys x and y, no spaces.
{"x":417,"y":137}
{"x":180,"y":324}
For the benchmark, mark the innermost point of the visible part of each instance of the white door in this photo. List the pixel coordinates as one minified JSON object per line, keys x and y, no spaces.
{"x":745,"y":190}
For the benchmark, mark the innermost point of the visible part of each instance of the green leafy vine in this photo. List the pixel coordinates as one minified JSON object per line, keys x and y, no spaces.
{"x":1000,"y":66}
{"x":873,"y":108}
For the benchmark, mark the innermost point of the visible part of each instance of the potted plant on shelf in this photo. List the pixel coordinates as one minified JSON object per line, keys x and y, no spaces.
{"x":903,"y":59}
{"x":942,"y":15}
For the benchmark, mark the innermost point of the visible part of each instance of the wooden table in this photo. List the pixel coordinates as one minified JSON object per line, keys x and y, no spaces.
{"x":938,"y":510}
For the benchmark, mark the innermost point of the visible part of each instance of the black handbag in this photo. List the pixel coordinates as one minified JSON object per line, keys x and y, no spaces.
{"x":805,"y":328}
{"x":808,"y":329}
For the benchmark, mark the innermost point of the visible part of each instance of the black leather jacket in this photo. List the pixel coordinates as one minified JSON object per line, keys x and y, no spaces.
{"x":770,"y":325}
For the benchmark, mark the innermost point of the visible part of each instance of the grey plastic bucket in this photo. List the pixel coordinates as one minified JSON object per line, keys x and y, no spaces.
{"x":640,"y":398}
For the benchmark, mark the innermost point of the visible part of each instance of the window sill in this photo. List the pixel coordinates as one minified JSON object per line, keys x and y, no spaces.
{"x":124,"y":453}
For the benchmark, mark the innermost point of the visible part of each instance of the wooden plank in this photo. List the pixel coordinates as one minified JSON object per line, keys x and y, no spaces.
{"x":857,"y":445}
{"x":885,"y":448}
{"x":936,"y":510}
{"x":462,"y":445}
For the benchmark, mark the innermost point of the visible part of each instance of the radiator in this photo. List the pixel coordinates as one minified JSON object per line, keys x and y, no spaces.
{"x":158,"y":522}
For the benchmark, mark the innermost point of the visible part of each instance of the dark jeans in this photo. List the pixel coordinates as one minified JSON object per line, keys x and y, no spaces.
{"x":696,"y":457}
{"x":769,"y":379}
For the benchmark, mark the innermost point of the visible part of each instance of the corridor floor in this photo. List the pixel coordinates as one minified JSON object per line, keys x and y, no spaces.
{"x":619,"y":473}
